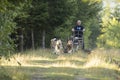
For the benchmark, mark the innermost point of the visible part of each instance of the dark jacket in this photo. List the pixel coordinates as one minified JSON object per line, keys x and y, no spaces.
{"x":78,"y":31}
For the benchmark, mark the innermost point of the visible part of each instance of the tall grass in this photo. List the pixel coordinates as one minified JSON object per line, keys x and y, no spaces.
{"x":103,"y":58}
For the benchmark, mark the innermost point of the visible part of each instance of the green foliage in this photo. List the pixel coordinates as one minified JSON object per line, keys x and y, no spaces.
{"x":6,"y":27}
{"x":110,"y":30}
{"x":88,"y":16}
{"x":92,"y":32}
{"x":35,"y":18}
{"x":48,"y":15}
{"x":57,"y":18}
{"x":116,"y":12}
{"x":64,"y":33}
{"x":38,"y":14}
{"x":62,"y":14}
{"x":110,"y":38}
{"x":8,"y":11}
{"x":60,"y":11}
{"x":87,"y":12}
{"x":88,"y":9}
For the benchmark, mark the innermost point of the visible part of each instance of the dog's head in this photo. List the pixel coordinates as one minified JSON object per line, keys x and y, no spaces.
{"x":58,"y":47}
{"x":69,"y":42}
{"x":53,"y":42}
{"x":59,"y":43}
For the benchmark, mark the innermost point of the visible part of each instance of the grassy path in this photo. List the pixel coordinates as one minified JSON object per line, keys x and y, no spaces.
{"x":48,"y":66}
{"x":58,"y":67}
{"x":43,"y":65}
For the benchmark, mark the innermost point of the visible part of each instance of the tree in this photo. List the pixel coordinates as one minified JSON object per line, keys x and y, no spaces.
{"x":20,"y":20}
{"x":67,"y":12}
{"x":110,"y":26}
{"x":87,"y":11}
{"x":8,"y":11}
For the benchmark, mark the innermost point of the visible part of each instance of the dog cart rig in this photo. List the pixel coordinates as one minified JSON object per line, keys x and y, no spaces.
{"x":78,"y":40}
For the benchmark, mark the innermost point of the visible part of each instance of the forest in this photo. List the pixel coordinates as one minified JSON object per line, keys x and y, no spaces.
{"x":29,"y":25}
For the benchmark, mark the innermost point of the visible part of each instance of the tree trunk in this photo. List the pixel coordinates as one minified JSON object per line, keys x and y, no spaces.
{"x":43,"y":39}
{"x":32,"y":36}
{"x":21,"y":41}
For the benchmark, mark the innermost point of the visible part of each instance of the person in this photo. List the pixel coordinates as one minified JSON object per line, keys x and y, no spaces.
{"x":78,"y":32}
{"x":78,"y":29}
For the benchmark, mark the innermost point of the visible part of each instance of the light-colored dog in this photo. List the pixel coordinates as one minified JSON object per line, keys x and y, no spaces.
{"x":57,"y":46}
{"x":53,"y":43}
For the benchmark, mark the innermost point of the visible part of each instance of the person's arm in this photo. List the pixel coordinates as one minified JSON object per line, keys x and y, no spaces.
{"x":83,"y":29}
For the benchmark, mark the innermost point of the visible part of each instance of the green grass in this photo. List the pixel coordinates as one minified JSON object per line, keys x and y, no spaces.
{"x":44,"y":65}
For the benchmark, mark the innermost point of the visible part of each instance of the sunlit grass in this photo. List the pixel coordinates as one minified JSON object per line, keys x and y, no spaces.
{"x":96,"y":65}
{"x":64,"y":64}
{"x":73,"y":57}
{"x":96,"y":61}
{"x":102,"y":58}
{"x":42,"y":55}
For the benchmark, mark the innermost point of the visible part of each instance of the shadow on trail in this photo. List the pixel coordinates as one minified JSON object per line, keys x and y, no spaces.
{"x":67,"y":73}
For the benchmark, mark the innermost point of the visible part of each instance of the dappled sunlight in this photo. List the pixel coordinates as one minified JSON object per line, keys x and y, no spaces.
{"x":11,"y":62}
{"x":100,"y":64}
{"x":36,"y":59}
{"x":19,"y":59}
{"x":93,"y":62}
{"x":65,"y":64}
{"x":102,"y":59}
{"x":62,"y":57}
{"x":40,"y":58}
{"x":72,"y":61}
{"x":55,"y":64}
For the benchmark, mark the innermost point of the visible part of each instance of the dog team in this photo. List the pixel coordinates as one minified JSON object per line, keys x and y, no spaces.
{"x":58,"y":48}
